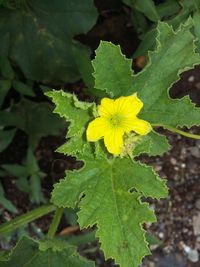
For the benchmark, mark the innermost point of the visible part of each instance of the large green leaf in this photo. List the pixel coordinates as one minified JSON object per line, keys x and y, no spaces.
{"x":53,"y":253}
{"x":174,"y":54}
{"x":41,"y":38}
{"x":103,"y":190}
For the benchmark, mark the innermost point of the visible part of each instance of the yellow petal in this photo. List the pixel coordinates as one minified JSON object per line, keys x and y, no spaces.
{"x":141,"y":127}
{"x":96,"y":129}
{"x":107,"y":107}
{"x":129,"y":105}
{"x":113,"y":141}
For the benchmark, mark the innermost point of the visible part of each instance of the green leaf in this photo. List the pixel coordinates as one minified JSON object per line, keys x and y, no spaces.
{"x":31,"y":162}
{"x":5,"y":66}
{"x":168,"y":8}
{"x":83,"y":64}
{"x":120,"y":75}
{"x":4,"y":255}
{"x":145,"y":6}
{"x":8,"y":118}
{"x":42,"y":41}
{"x":197,"y":4}
{"x":152,"y":144}
{"x":36,"y":195}
{"x":7,"y":204}
{"x":196,"y":18}
{"x":39,"y":120}
{"x":31,"y":253}
{"x":161,"y":72}
{"x":4,"y":88}
{"x":147,"y":43}
{"x":84,"y":238}
{"x":103,"y":190}
{"x":78,"y":114}
{"x":32,"y":171}
{"x":15,"y":169}
{"x":21,"y":173}
{"x":6,"y":138}
{"x":152,"y":240}
{"x":23,"y":88}
{"x":174,"y":54}
{"x":23,"y":184}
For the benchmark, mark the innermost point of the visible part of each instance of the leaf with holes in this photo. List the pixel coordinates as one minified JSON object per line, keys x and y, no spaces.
{"x":175,"y":53}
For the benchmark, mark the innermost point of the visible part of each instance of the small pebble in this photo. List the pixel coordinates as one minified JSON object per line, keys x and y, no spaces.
{"x":192,"y":254}
{"x":195,"y":152}
{"x":183,"y":165}
{"x":173,"y":161}
{"x":191,"y":79}
{"x":158,"y":168}
{"x":161,"y":235}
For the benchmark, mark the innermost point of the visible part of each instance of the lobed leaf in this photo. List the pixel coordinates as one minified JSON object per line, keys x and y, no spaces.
{"x":174,"y":54}
{"x":103,"y":190}
{"x":78,"y":114}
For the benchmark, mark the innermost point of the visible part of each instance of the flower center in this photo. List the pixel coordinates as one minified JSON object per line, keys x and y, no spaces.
{"x":116,"y":120}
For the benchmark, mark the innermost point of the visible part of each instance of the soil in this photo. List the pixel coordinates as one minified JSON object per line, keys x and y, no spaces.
{"x":178,"y":215}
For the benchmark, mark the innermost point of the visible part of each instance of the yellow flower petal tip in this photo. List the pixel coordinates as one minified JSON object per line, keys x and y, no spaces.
{"x":117,"y":117}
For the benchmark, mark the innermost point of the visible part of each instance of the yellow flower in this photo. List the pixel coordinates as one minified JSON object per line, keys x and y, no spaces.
{"x":117,"y":117}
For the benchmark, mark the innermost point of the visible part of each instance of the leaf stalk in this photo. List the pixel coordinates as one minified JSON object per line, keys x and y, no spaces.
{"x":23,"y":219}
{"x":175,"y":130}
{"x":55,"y":222}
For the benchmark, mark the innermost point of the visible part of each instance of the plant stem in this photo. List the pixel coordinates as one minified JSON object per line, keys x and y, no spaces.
{"x":23,"y":219}
{"x":55,"y":222}
{"x":175,"y":130}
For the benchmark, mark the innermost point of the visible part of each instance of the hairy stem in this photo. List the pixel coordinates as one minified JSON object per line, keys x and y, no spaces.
{"x":175,"y":130}
{"x":55,"y":222}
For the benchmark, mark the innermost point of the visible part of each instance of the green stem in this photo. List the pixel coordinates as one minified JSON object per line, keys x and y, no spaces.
{"x":175,"y":130}
{"x":23,"y":219}
{"x":54,"y":224}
